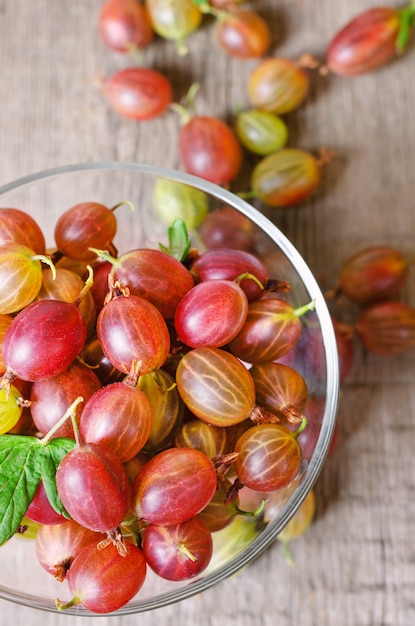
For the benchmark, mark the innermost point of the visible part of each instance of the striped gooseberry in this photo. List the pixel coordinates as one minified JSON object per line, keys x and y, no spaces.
{"x":212,"y":440}
{"x":179,"y":551}
{"x":372,"y":274}
{"x":118,"y":416}
{"x":124,"y":25}
{"x":43,"y":340}
{"x":131,"y":329}
{"x":211,"y":313}
{"x":174,"y":19}
{"x":369,"y":40}
{"x":103,"y":580}
{"x":242,"y":33}
{"x":41,"y":511}
{"x":271,"y":329}
{"x":93,"y":356}
{"x":387,"y":327}
{"x":261,"y":132}
{"x":278,"y":85}
{"x":57,"y":545}
{"x":83,"y":226}
{"x":280,"y":389}
{"x":215,"y":386}
{"x":152,"y":274}
{"x":50,"y":398}
{"x":230,"y":264}
{"x":269,"y":457}
{"x":20,"y":276}
{"x":64,"y":284}
{"x":286,"y":177}
{"x":94,"y":487}
{"x":138,"y":93}
{"x":166,"y":492}
{"x":19,"y":227}
{"x":210,"y":149}
{"x":166,"y":409}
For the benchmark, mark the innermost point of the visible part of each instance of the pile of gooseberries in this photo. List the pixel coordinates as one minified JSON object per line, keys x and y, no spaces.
{"x":281,"y":175}
{"x":117,"y":381}
{"x":133,"y":393}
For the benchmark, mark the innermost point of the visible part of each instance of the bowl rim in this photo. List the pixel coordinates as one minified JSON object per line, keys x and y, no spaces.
{"x":270,"y":532}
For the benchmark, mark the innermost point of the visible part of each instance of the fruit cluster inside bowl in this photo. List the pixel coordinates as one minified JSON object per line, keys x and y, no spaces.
{"x":207,"y":357}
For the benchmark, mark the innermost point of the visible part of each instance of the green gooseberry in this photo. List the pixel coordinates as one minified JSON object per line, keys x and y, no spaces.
{"x":175,"y":200}
{"x":261,"y":132}
{"x":174,"y":19}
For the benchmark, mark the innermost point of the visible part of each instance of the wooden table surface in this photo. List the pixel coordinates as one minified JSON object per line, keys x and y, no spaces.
{"x":356,"y":564}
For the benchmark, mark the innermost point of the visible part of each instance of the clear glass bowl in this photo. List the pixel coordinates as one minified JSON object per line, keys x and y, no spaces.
{"x":45,"y":196}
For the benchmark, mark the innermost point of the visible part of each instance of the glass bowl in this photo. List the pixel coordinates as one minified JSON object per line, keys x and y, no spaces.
{"x":45,"y":196}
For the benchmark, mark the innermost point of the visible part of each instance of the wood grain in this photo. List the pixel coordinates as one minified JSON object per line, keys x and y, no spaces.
{"x":356,"y":564}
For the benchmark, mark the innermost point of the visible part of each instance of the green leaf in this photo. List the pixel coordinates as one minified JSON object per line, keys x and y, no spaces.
{"x":48,"y":463}
{"x":179,"y":241}
{"x":24,"y":462}
{"x":406,"y":19}
{"x":19,"y":480}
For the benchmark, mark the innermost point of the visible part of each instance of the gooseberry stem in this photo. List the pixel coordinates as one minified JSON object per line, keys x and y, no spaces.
{"x":47,"y":260}
{"x":299,"y":312}
{"x":87,"y":286}
{"x":122,"y":203}
{"x":69,"y":413}
{"x":181,"y":47}
{"x":241,"y":277}
{"x":185,"y":108}
{"x":183,"y":113}
{"x":104,"y":255}
{"x":301,"y":427}
{"x":67,"y":605}
{"x":184,"y":550}
{"x":258,"y":511}
{"x":287,"y":554}
{"x":247,"y":195}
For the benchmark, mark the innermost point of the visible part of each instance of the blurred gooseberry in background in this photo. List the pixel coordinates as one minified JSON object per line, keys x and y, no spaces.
{"x":278,"y":85}
{"x":365,"y":43}
{"x":372,"y":274}
{"x":261,"y":132}
{"x":243,"y":34}
{"x":124,"y":25}
{"x":286,"y":177}
{"x":174,"y":19}
{"x":138,"y":93}
{"x":210,"y":149}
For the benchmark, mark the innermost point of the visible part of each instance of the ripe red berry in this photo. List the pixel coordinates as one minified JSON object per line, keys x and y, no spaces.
{"x":94,"y":487}
{"x":365,"y":43}
{"x":102,"y":580}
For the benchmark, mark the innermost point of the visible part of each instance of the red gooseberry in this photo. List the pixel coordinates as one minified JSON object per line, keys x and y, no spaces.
{"x":365,"y":43}
{"x":138,"y":93}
